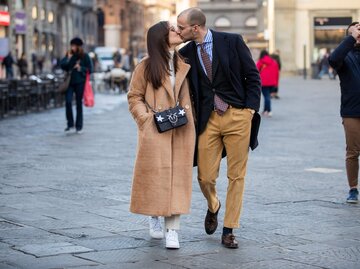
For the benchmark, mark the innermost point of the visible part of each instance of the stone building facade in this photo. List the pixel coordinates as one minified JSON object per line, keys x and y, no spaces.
{"x":304,"y":30}
{"x":42,"y":29}
{"x":245,"y":17}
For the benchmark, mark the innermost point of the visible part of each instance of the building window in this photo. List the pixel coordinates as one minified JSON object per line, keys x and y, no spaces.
{"x":251,"y":22}
{"x":4,"y":5}
{"x":51,"y":17}
{"x":222,"y":22}
{"x":34,"y":12}
{"x":19,"y":4}
{"x":42,"y":14}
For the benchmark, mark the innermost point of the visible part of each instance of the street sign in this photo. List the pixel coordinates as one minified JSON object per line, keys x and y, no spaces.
{"x":20,"y":22}
{"x":4,"y":18}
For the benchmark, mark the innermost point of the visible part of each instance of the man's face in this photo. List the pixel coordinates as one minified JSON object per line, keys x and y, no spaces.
{"x":184,"y":30}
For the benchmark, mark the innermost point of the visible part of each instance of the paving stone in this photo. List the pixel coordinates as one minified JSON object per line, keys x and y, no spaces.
{"x":23,"y":261}
{"x":114,"y":256}
{"x":9,"y":225}
{"x":278,"y":264}
{"x":82,"y":233}
{"x":114,"y":242}
{"x":42,"y":250}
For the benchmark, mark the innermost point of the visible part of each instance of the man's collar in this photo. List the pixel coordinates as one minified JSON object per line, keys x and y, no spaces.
{"x":207,"y":39}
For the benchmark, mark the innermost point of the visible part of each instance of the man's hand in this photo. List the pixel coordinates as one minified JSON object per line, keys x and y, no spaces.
{"x":355,"y":31}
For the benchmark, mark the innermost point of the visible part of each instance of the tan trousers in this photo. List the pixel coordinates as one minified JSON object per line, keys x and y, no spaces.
{"x":352,"y":135}
{"x":232,"y":131}
{"x":172,"y":223}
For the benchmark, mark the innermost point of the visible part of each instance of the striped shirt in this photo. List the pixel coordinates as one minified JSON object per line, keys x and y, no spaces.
{"x":208,"y":46}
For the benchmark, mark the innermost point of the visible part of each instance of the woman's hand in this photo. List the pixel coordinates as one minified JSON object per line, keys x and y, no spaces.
{"x":77,"y":66}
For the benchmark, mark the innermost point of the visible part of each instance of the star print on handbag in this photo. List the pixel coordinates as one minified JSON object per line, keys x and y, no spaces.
{"x":170,"y":118}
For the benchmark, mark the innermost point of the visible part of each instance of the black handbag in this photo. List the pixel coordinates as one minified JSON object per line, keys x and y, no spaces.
{"x":170,"y":119}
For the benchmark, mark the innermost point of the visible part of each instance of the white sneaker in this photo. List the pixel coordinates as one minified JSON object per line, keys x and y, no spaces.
{"x":156,"y":230}
{"x":172,"y":239}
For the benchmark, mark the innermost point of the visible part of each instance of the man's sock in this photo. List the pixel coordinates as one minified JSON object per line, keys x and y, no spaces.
{"x":227,"y":231}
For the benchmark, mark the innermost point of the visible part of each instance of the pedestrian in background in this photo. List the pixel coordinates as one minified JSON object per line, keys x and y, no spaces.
{"x":269,"y":73}
{"x":40,"y":63}
{"x":8,"y":64}
{"x":34,"y":63}
{"x":275,"y":90}
{"x":162,"y":181}
{"x":324,"y":67}
{"x":226,"y":93}
{"x":77,"y":63}
{"x":23,"y":66}
{"x":346,"y":61}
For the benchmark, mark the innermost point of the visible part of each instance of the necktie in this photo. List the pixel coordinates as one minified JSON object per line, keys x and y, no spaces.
{"x":220,"y":105}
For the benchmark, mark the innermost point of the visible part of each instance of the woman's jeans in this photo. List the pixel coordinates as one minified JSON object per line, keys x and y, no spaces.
{"x":266,"y":91}
{"x":78,"y":89}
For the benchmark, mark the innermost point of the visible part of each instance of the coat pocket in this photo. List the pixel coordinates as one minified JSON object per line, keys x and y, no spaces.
{"x":144,"y":121}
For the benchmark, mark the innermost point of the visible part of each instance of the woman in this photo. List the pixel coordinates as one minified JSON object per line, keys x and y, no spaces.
{"x":23,"y":66}
{"x":78,"y":63}
{"x":269,"y":73}
{"x":162,"y":181}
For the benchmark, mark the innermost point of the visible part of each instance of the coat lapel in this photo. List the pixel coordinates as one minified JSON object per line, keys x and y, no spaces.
{"x":180,"y":76}
{"x":168,"y":87}
{"x":222,"y":47}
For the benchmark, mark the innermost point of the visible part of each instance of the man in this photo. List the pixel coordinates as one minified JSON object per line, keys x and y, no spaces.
{"x":78,"y":63}
{"x":226,"y":89}
{"x":325,"y":66}
{"x":8,"y":63}
{"x":346,"y":61}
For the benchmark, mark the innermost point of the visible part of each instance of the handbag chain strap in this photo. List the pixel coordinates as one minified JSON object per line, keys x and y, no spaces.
{"x":153,"y":110}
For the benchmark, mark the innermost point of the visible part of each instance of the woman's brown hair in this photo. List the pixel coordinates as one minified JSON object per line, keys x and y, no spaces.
{"x":157,"y":64}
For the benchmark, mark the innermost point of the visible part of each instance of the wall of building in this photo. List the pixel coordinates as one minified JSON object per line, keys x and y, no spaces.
{"x":246,"y":17}
{"x":294,"y":28}
{"x":42,"y":29}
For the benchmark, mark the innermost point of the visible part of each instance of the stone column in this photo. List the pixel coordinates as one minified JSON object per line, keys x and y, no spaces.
{"x":112,"y":35}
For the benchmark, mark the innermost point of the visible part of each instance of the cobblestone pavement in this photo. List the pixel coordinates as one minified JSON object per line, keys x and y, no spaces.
{"x":64,"y":199}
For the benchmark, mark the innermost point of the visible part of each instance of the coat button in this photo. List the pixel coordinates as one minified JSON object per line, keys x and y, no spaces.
{"x":213,"y":90}
{"x":160,"y":107}
{"x":187,"y":106}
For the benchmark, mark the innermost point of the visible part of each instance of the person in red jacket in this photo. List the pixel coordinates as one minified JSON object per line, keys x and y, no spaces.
{"x":269,"y":73}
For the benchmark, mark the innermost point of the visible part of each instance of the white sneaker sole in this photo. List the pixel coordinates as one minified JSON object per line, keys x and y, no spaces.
{"x":172,"y":246}
{"x":156,"y":236}
{"x":352,"y":201}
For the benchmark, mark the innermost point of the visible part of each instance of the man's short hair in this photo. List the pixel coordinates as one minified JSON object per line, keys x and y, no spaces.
{"x":350,"y":25}
{"x":195,"y":16}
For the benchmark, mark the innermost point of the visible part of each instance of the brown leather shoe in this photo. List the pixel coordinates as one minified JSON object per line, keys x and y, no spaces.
{"x":211,"y":221}
{"x":229,"y":241}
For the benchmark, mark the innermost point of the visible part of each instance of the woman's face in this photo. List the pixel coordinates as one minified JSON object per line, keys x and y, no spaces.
{"x":174,"y":38}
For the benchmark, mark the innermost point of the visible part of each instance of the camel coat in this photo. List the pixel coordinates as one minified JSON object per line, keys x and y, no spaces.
{"x":162,"y":180}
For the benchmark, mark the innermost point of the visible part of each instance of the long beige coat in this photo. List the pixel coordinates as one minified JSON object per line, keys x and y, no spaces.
{"x":162,"y":181}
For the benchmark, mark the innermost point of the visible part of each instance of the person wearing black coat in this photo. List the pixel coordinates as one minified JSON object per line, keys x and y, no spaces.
{"x":8,"y":63}
{"x":78,"y":63}
{"x":225,"y":86}
{"x":345,"y":59}
{"x":23,"y":66}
